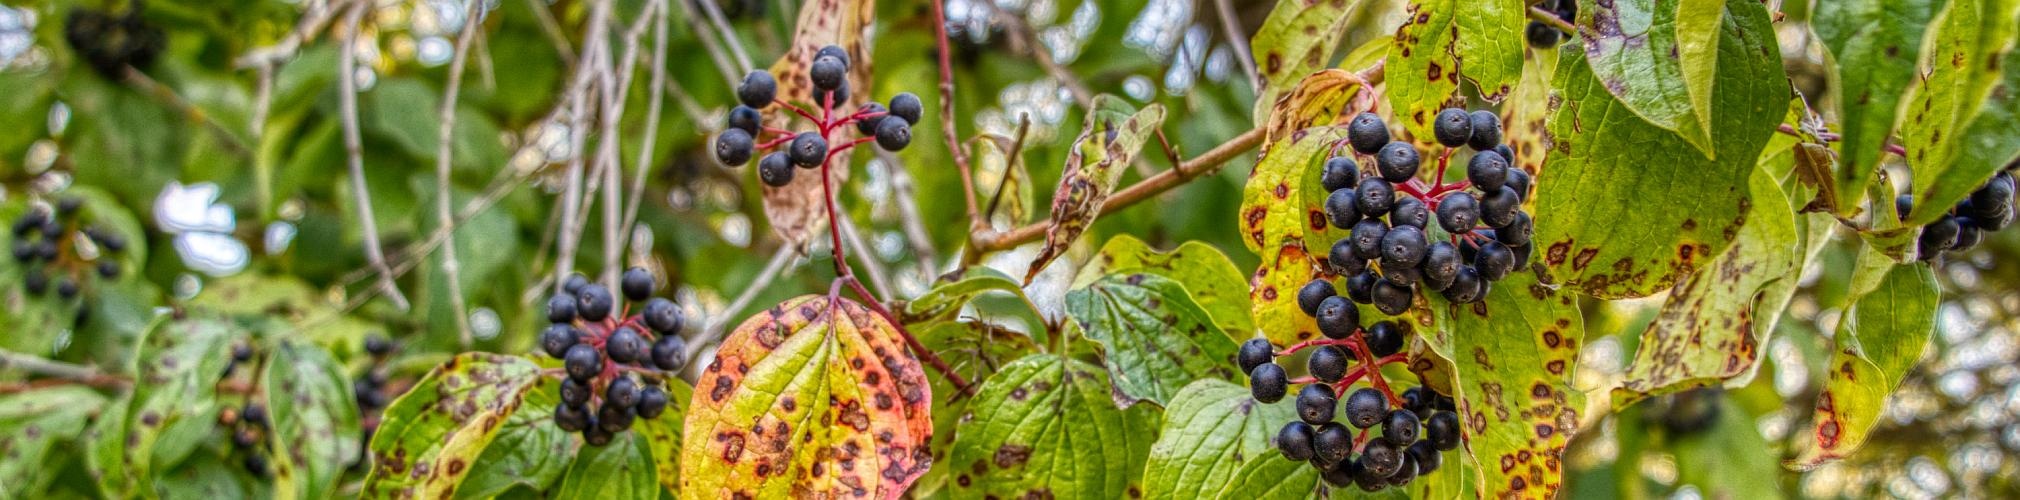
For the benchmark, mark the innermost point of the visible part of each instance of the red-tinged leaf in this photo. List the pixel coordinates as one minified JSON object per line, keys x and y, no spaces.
{"x":1115,"y":132}
{"x":431,"y":436}
{"x":796,"y":211}
{"x":1879,"y":340}
{"x":815,"y":397}
{"x":1322,"y":98}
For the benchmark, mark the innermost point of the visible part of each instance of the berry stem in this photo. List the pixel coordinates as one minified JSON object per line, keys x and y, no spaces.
{"x":775,"y":142}
{"x":927,"y":355}
{"x":1357,"y":344}
{"x":779,"y":131}
{"x":1293,"y":348}
{"x":1438,"y":182}
{"x":1411,"y":188}
{"x":844,"y":148}
{"x":796,"y":110}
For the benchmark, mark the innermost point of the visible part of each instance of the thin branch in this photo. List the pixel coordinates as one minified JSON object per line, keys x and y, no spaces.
{"x":1235,"y":39}
{"x":1022,"y":35}
{"x":908,"y":213}
{"x":35,"y":365}
{"x":714,"y":15}
{"x":263,"y":169}
{"x":870,"y":264}
{"x":713,"y":331}
{"x":688,"y":105}
{"x":723,"y":63}
{"x":948,"y":130}
{"x":571,"y":200}
{"x":654,"y":103}
{"x":1550,"y":18}
{"x":552,"y":29}
{"x":615,"y":83}
{"x":354,"y":150}
{"x":313,"y":21}
{"x":140,"y":82}
{"x":452,"y":270}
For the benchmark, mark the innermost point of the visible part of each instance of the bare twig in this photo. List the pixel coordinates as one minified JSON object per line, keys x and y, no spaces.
{"x":140,"y":82}
{"x":871,"y":266}
{"x":571,"y":200}
{"x":714,"y":14}
{"x":654,"y":102}
{"x":723,"y":62}
{"x":1238,"y":41}
{"x":1550,"y":18}
{"x":908,"y":213}
{"x":354,"y":150}
{"x":319,"y":15}
{"x":452,"y":270}
{"x":1022,"y":35}
{"x":34,"y":365}
{"x":552,"y":29}
{"x":687,"y":103}
{"x":713,"y":330}
{"x":948,"y":130}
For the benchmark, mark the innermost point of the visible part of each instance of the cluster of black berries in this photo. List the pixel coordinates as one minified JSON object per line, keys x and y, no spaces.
{"x":829,"y":75}
{"x":46,"y":247}
{"x":1990,"y":208}
{"x":1486,"y":234}
{"x":1544,"y":36}
{"x":369,"y":390}
{"x":595,"y":340}
{"x":249,"y":426}
{"x":1414,"y":433}
{"x":111,"y":42}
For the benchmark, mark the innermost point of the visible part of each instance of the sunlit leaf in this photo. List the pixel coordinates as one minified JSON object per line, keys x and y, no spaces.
{"x":1514,"y":355}
{"x":1873,"y":43}
{"x":429,"y":437}
{"x":1154,"y":337}
{"x":1878,"y":341}
{"x":1209,"y":277}
{"x":1114,"y":134}
{"x":1211,"y":428}
{"x":1296,"y":40}
{"x":1441,"y":40}
{"x":1045,"y":426}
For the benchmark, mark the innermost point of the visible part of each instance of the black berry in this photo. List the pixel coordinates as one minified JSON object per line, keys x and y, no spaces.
{"x":758,"y":89}
{"x":593,"y":302}
{"x":827,"y":73}
{"x":574,"y":392}
{"x":1541,"y":35}
{"x":1374,"y":197}
{"x":1315,"y":403}
{"x":1338,"y":318}
{"x":622,"y":393}
{"x":906,"y":105}
{"x":1361,"y":287}
{"x":746,"y":119}
{"x":1494,"y":261}
{"x":1441,"y":262}
{"x":662,"y":316}
{"x":1367,"y":236}
{"x":557,"y":338}
{"x":1409,"y":212}
{"x":651,"y":402}
{"x":1366,"y":407}
{"x":868,"y":126}
{"x":1393,"y":298}
{"x":1367,"y":133}
{"x":1400,"y":427}
{"x":669,"y":353}
{"x":1403,"y":247}
{"x":1381,"y":458}
{"x":894,"y":135}
{"x":637,"y":284}
{"x":1340,"y":172}
{"x":1255,"y":352}
{"x":1487,"y":170}
{"x":1332,"y":443}
{"x":733,"y":147}
{"x":1342,"y":208}
{"x":1426,"y":456}
{"x":1442,"y":430}
{"x":1295,"y":441}
{"x":625,"y":345}
{"x":1398,"y":162}
{"x":808,"y":150}
{"x":1312,"y":293}
{"x":1327,"y":363}
{"x":582,"y":362}
{"x":1384,"y":338}
{"x":561,"y":308}
{"x":1498,"y":208}
{"x":1452,"y":127}
{"x":1486,"y":130}
{"x":1266,"y":383}
{"x":1517,"y":232}
{"x":775,"y":170}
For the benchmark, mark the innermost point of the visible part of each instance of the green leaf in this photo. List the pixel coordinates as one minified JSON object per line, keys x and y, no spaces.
{"x":662,"y":435}
{"x":1296,"y":40}
{"x":314,"y":423}
{"x":1282,"y":211}
{"x":1321,"y":98}
{"x":1873,"y":44}
{"x":1154,"y":337}
{"x":1635,"y":51}
{"x":1878,"y":341}
{"x":792,"y":386}
{"x":977,"y":350}
{"x":529,"y":450}
{"x":1526,"y":113}
{"x":1599,"y":228}
{"x":173,"y":404}
{"x":1514,"y":355}
{"x":1114,"y":134}
{"x":429,"y":437}
{"x":1950,"y":153}
{"x":1720,"y":466}
{"x":1210,"y":429}
{"x":948,"y":297}
{"x":35,"y":422}
{"x":1697,"y":24}
{"x":1711,"y":327}
{"x":1209,"y":277}
{"x":1270,"y":476}
{"x":1045,"y":426}
{"x":1439,"y":41}
{"x":618,"y":471}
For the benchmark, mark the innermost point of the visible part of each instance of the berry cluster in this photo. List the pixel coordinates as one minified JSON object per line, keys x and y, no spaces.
{"x":1415,"y":431}
{"x":829,"y":75}
{"x":370,"y":390}
{"x":111,"y":42}
{"x":1990,"y":208}
{"x":1487,"y":233}
{"x":1543,"y":35}
{"x":595,"y":340}
{"x":48,"y":245}
{"x":249,"y":427}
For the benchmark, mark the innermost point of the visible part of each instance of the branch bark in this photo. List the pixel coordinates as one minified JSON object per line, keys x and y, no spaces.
{"x":354,"y":150}
{"x":452,"y":270}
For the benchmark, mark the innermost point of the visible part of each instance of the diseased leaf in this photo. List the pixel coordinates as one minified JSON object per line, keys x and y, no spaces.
{"x":1878,"y":341}
{"x":1440,"y":40}
{"x":1274,"y":290}
{"x":1625,"y":208}
{"x":1283,"y":202}
{"x":1697,"y":24}
{"x":992,"y":154}
{"x":1514,"y":355}
{"x":1993,"y":139}
{"x":171,"y":407}
{"x":1322,"y":98}
{"x":529,"y":450}
{"x":35,"y":422}
{"x":314,"y":420}
{"x":1114,"y":134}
{"x":1155,"y":339}
{"x":1960,"y":126}
{"x":1873,"y":45}
{"x":662,"y":435}
{"x":1270,"y":476}
{"x":1634,"y":50}
{"x":1525,"y":115}
{"x":428,"y":438}
{"x":977,"y":350}
{"x":1886,"y":233}
{"x":1210,"y":429}
{"x":621,"y":470}
{"x":1045,"y":426}
{"x":1209,"y":277}
{"x":1297,"y":39}
{"x":815,"y":396}
{"x":796,"y":211}
{"x":1711,"y":327}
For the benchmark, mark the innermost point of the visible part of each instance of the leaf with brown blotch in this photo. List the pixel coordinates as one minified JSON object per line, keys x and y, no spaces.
{"x":813,"y":398}
{"x":1114,"y":133}
{"x":798,"y":211}
{"x":1297,"y":39}
{"x":1879,"y":340}
{"x":1322,"y":98}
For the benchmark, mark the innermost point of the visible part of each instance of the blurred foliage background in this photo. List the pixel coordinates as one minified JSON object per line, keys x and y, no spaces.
{"x":230,"y":179}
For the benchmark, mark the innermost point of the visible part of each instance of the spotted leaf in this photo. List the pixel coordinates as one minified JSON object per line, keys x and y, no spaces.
{"x":1114,"y":133}
{"x":1209,"y":277}
{"x":1210,"y":429}
{"x":662,"y":435}
{"x":1441,"y":40}
{"x":1879,"y":339}
{"x":813,"y":397}
{"x":977,"y":350}
{"x":1044,"y":427}
{"x":530,"y":451}
{"x":1962,"y":68}
{"x":1873,"y":45}
{"x":796,"y":210}
{"x":172,"y":408}
{"x":1525,"y":115}
{"x":33,"y":423}
{"x":428,"y":438}
{"x":1283,"y":201}
{"x":314,"y":420}
{"x":621,"y":470}
{"x":1270,"y":476}
{"x":1626,"y":208}
{"x":1296,"y":40}
{"x":1637,"y":51}
{"x":1155,"y":339}
{"x":1322,"y":98}
{"x":1514,"y":355}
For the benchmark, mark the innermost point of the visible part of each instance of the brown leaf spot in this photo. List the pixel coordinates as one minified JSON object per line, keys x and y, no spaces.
{"x":1584,"y":258}
{"x":1012,"y":455}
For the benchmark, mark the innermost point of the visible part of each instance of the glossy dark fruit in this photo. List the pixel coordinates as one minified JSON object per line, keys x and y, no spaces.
{"x":1426,"y":456}
{"x":1381,"y":458}
{"x":1332,"y":443}
{"x":1367,"y":481}
{"x":1466,"y":287}
{"x":1294,"y":440}
{"x":1384,"y":338}
{"x":1441,"y":262}
{"x":1403,"y":247}
{"x":662,"y":316}
{"x":108,"y":269}
{"x":1342,"y":208}
{"x":66,"y":287}
{"x":733,"y":147}
{"x":775,"y":170}
{"x":1442,"y":430}
{"x":1940,"y":235}
{"x":1968,"y":236}
{"x":868,"y":126}
{"x":575,"y":392}
{"x":1487,"y":170}
{"x":669,"y":353}
{"x":612,"y":418}
{"x":827,"y":73}
{"x":1367,"y":236}
{"x":595,"y":435}
{"x":1507,"y":153}
{"x":1458,"y":213}
{"x":1341,"y":474}
{"x":24,"y":251}
{"x":593,"y":302}
{"x":1327,"y":363}
{"x":561,"y":308}
{"x":1267,"y":383}
{"x":1392,"y":298}
{"x":1410,"y":212}
{"x":1316,"y":403}
{"x":1497,"y":209}
{"x":1494,"y":261}
{"x":1486,"y":130}
{"x":1418,"y":400}
{"x":625,"y":345}
{"x":574,"y":283}
{"x":1340,"y":172}
{"x":571,"y":418}
{"x":1400,"y":427}
{"x":1541,"y":35}
{"x":1403,"y":276}
{"x":1996,"y":193}
{"x":1255,"y":352}
{"x":637,"y":284}
{"x":1406,"y":472}
{"x":622,"y":393}
{"x":582,"y":362}
{"x":906,"y":105}
{"x":807,"y":150}
{"x":1398,"y":162}
{"x":1361,"y":287}
{"x":894,"y":135}
{"x":840,"y":96}
{"x":1337,"y":317}
{"x":1452,"y":127}
{"x":1519,"y":181}
{"x":1314,"y":291}
{"x":1366,"y":407}
{"x":651,"y":402}
{"x":1517,"y":232}
{"x":758,"y":89}
{"x":1374,"y":197}
{"x":1342,"y":259}
{"x":557,"y":338}
{"x":253,"y":413}
{"x":746,"y":119}
{"x":1367,"y":133}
